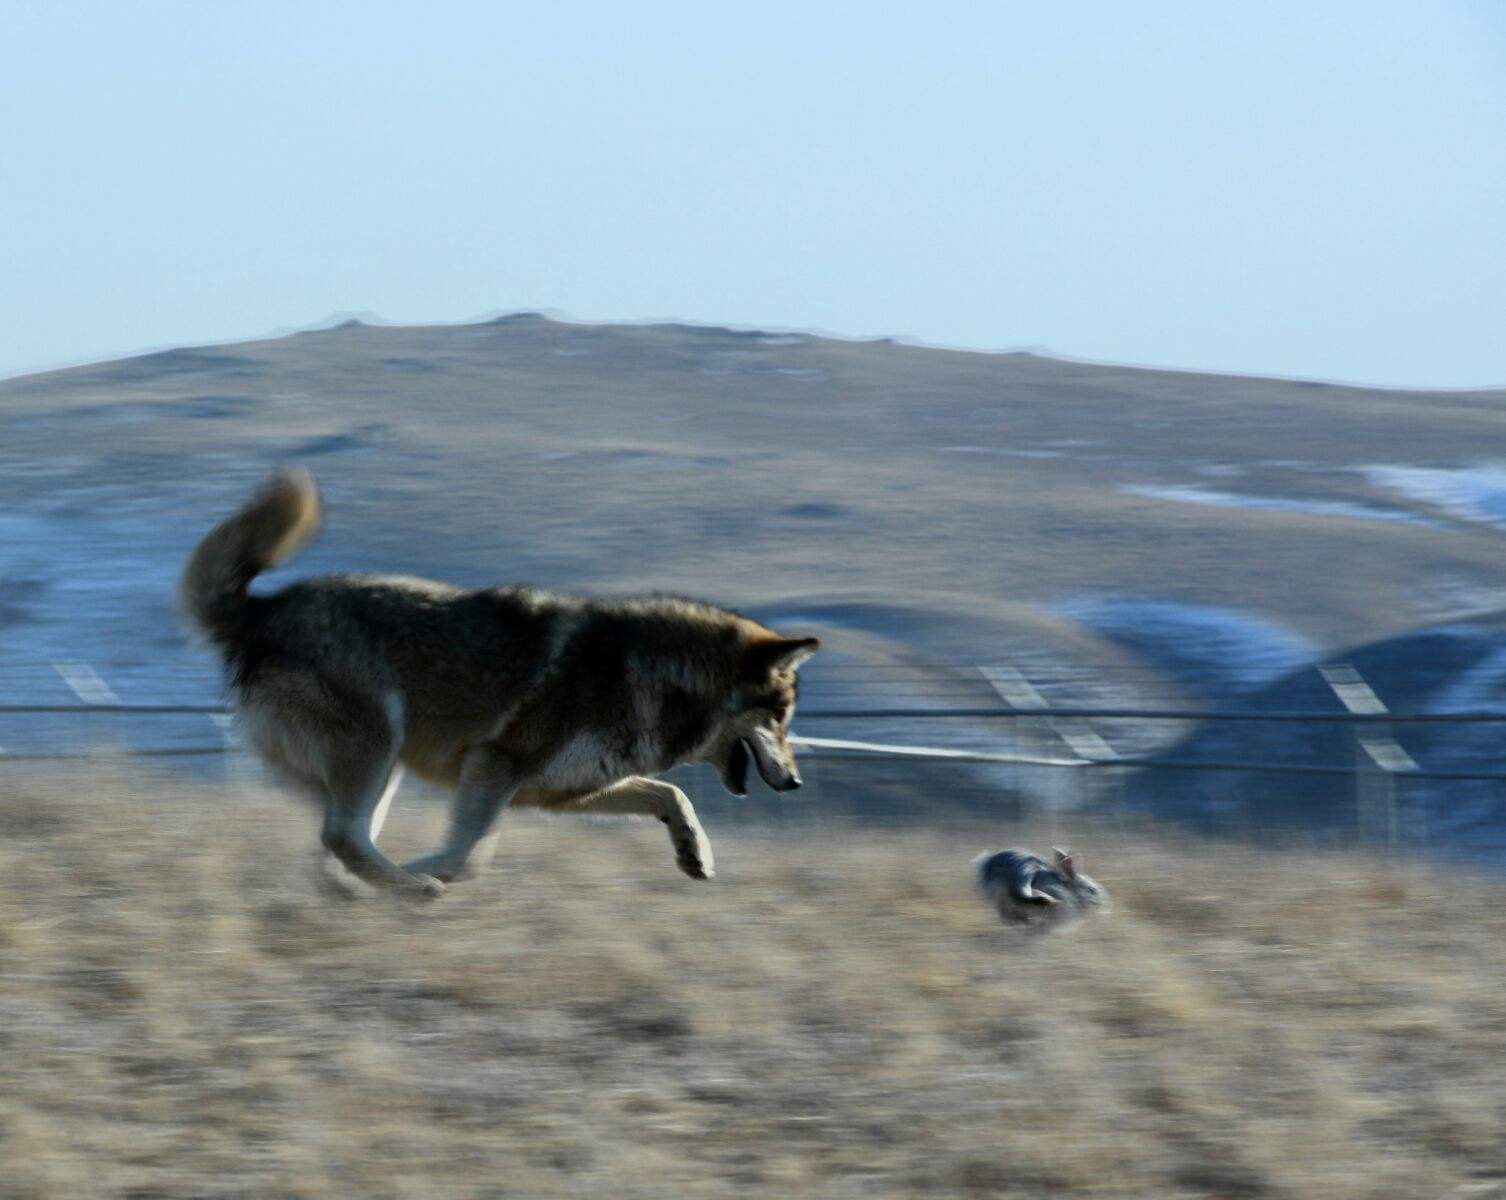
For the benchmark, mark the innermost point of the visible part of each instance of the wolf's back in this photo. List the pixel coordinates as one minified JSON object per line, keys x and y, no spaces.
{"x":278,"y":522}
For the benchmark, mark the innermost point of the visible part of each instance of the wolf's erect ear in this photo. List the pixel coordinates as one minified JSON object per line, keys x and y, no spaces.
{"x":1066,"y":863}
{"x":778,"y":654}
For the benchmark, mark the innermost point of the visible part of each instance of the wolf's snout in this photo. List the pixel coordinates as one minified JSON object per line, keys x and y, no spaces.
{"x":793,"y":784}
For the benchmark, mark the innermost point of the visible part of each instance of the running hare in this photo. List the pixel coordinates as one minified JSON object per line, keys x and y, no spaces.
{"x":1028,"y":891}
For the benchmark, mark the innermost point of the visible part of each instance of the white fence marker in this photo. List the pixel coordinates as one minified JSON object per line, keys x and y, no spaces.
{"x":1376,"y":800}
{"x":1018,"y":692}
{"x":1042,"y":734}
{"x":86,"y":683}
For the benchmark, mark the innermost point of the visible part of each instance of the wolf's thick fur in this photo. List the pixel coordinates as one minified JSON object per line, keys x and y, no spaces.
{"x":510,"y":696}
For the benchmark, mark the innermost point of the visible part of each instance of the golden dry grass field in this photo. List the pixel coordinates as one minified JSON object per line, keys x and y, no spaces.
{"x":183,"y":1014}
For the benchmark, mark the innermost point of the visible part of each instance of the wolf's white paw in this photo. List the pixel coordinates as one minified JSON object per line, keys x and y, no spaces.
{"x":693,"y":851}
{"x":425,"y":887}
{"x":436,"y":867}
{"x":336,"y":880}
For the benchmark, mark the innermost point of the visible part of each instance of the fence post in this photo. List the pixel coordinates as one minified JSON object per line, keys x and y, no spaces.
{"x":239,"y":769}
{"x":87,"y":684}
{"x":1374,"y":747}
{"x":1041,"y":733}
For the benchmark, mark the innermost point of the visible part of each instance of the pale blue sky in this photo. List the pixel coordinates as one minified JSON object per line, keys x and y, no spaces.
{"x":1297,"y":189}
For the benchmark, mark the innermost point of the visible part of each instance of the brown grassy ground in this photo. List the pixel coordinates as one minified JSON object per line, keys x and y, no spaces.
{"x":182,"y":1014}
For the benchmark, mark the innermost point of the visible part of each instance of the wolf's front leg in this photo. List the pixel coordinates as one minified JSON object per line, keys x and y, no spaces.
{"x":488,"y":781}
{"x":655,"y":798}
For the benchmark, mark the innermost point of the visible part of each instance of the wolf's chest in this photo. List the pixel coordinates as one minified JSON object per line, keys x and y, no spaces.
{"x":595,"y":760}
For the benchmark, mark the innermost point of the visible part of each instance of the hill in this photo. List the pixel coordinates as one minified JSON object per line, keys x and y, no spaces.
{"x":1123,"y":535}
{"x":769,"y":470}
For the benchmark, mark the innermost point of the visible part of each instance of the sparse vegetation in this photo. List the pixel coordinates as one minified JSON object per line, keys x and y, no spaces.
{"x":182,"y":1014}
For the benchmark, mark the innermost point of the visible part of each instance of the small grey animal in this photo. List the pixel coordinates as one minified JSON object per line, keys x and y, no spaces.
{"x":1028,"y":891}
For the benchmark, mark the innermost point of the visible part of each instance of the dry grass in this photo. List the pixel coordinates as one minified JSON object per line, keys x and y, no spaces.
{"x":183,"y":1015}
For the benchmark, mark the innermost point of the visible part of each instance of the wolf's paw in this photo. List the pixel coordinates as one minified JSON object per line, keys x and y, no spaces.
{"x":436,"y":868}
{"x":693,"y":852}
{"x":424,"y":887}
{"x":337,"y":881}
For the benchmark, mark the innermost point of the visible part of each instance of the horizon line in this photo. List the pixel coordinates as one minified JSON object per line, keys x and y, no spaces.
{"x":560,"y":317}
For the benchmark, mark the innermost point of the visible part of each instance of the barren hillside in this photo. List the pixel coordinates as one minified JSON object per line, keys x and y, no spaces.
{"x":1123,"y":536}
{"x":775,"y":471}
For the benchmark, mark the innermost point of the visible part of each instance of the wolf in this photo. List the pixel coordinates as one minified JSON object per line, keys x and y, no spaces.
{"x":512,"y":697}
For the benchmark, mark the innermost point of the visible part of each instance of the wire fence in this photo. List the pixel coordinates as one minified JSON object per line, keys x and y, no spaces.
{"x":895,"y":744}
{"x":1021,"y":704}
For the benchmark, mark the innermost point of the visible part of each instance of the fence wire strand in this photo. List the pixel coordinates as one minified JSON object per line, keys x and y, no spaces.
{"x":834,"y":749}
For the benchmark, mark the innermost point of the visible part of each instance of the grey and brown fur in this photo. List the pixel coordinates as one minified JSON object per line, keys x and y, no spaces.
{"x":510,"y":696}
{"x":1027,"y":890}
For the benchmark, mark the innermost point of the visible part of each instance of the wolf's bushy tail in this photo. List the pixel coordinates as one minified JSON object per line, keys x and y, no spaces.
{"x":278,"y":522}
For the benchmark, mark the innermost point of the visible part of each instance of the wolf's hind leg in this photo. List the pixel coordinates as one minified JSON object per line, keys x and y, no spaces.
{"x":341,"y":747}
{"x":337,"y":874}
{"x":357,"y":795}
{"x":488,"y":783}
{"x":379,"y":814}
{"x":654,"y":798}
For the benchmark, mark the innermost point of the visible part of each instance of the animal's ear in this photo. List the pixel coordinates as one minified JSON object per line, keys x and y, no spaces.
{"x":1066,"y":863}
{"x":768,"y":655}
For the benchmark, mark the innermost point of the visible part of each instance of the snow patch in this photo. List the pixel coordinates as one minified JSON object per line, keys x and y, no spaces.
{"x":1324,"y":508}
{"x":1216,"y":651}
{"x":1003,"y":453}
{"x":1475,"y":493}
